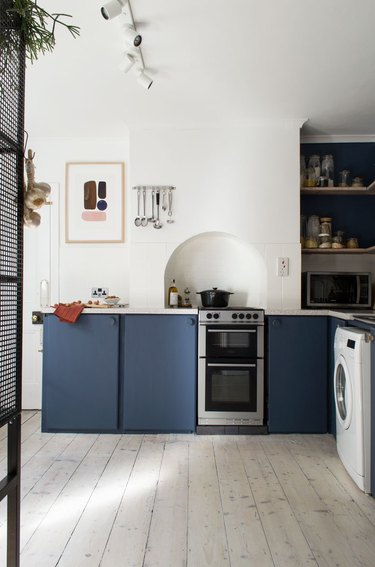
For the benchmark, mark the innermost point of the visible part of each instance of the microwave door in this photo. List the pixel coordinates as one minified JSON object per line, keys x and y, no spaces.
{"x":358,"y":280}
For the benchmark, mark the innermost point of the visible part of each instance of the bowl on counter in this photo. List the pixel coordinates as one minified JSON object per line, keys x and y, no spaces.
{"x":112,"y":300}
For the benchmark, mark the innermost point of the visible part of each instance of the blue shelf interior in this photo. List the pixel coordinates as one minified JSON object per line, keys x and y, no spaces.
{"x":354,"y":214}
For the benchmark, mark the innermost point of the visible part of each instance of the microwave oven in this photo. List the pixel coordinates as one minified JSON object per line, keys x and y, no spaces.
{"x":336,"y":289}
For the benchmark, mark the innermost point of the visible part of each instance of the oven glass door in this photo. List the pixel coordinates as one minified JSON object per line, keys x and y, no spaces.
{"x":238,"y":341}
{"x":231,"y":385}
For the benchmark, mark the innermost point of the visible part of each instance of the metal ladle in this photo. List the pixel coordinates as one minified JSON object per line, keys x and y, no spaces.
{"x":157,"y":223}
{"x":138,"y":220}
{"x":144,"y":219}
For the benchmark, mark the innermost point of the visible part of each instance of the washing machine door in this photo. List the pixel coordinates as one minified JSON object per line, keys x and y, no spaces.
{"x":343,"y":393}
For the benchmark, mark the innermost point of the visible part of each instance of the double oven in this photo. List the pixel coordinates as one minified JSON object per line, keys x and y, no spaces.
{"x":231,"y":366}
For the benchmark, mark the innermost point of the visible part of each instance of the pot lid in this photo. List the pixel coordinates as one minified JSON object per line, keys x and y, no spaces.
{"x":215,"y":290}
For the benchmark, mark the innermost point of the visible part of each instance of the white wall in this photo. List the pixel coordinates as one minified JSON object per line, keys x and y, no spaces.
{"x":244,"y":182}
{"x":240,"y":181}
{"x":83,"y":266}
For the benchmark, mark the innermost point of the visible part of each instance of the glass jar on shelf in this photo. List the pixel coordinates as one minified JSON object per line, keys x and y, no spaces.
{"x":311,"y":242}
{"x":326,"y":226}
{"x":352,"y":242}
{"x":328,"y":169}
{"x":325,"y":241}
{"x":302,"y":230}
{"x":344,"y":178}
{"x":357,"y":182}
{"x":302,"y":170}
{"x":314,"y":162}
{"x":313,"y":226}
{"x":310,"y":177}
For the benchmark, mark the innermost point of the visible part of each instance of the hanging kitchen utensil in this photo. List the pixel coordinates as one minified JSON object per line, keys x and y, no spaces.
{"x":215,"y":297}
{"x":152,"y":218}
{"x":157,"y":223}
{"x":137,"y":220}
{"x":164,"y":200}
{"x":144,"y":219}
{"x":170,"y":220}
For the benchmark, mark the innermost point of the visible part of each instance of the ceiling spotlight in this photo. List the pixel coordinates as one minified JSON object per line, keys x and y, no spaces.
{"x":127,"y":62}
{"x":132,"y":37}
{"x":144,"y":80}
{"x":113,"y":9}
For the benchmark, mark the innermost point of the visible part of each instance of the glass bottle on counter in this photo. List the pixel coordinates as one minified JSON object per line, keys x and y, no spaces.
{"x":173,"y":295}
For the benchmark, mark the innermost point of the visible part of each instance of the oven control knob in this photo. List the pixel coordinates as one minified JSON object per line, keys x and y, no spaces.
{"x":234,"y":316}
{"x":216,"y":315}
{"x":256,"y":316}
{"x":209,"y":315}
{"x":241,"y":316}
{"x":248,"y":315}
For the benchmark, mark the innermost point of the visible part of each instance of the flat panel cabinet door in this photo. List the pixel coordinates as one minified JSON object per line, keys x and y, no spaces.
{"x":80,"y":374}
{"x":297,"y":374}
{"x":160,"y":373}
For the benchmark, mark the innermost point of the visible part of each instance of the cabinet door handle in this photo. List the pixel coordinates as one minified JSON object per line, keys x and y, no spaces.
{"x":112,"y":321}
{"x":276,"y":323}
{"x":190,"y":321}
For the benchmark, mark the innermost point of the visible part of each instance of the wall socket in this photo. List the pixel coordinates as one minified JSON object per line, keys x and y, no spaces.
{"x":99,"y":292}
{"x":283,"y":267}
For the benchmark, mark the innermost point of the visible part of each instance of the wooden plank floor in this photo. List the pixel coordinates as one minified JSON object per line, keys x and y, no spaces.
{"x":186,"y":500}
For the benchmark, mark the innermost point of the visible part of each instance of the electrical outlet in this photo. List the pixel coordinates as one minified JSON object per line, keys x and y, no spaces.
{"x":97,"y":292}
{"x":283,"y":267}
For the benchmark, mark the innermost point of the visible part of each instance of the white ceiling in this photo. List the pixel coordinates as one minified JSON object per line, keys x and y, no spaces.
{"x":214,"y":63}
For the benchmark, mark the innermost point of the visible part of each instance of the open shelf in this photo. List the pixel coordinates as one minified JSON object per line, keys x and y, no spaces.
{"x":369,"y":250}
{"x":370,"y":190}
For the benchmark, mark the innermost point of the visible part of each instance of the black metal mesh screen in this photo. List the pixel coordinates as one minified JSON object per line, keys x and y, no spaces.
{"x":12,"y":74}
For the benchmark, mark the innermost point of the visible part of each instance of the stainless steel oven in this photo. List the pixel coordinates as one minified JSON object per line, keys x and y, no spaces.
{"x":231,"y":367}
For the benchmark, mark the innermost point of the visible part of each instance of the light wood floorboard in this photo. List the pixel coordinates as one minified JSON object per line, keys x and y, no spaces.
{"x":187,"y":501}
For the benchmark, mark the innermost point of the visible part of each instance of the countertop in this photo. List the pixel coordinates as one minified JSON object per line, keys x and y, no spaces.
{"x":345,"y":315}
{"x":131,"y":311}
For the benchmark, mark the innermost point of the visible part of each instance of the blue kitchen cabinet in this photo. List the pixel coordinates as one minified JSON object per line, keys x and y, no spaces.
{"x":297,"y":374}
{"x":159,"y":373}
{"x":80,"y":374}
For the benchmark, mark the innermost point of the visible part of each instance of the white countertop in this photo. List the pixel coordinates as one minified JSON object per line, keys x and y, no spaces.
{"x":131,"y":311}
{"x":345,"y":315}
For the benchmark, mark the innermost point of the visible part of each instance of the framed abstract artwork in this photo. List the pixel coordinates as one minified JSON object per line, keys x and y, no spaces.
{"x":95,"y":203}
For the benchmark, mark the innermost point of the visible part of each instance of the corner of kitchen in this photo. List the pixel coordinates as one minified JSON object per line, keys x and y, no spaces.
{"x":187,"y":286}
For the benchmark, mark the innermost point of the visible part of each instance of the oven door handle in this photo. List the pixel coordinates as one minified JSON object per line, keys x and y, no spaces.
{"x":231,"y":365}
{"x":231,"y":330}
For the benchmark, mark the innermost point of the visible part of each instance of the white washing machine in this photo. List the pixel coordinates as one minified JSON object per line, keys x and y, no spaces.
{"x":352,"y":383}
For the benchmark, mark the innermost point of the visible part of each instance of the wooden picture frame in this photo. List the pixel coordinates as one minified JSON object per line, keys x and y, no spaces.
{"x":94,"y":202}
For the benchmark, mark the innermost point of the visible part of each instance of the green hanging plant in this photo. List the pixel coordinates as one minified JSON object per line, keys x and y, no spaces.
{"x":36,"y":26}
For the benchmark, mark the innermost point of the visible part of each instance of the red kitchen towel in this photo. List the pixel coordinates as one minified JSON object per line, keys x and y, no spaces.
{"x":68,"y":313}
